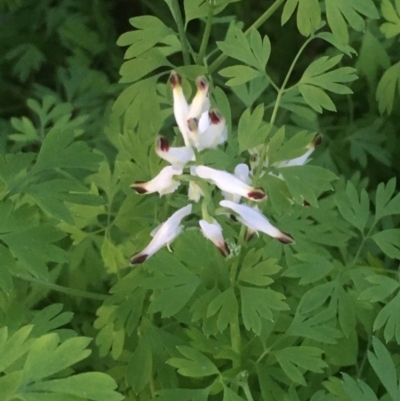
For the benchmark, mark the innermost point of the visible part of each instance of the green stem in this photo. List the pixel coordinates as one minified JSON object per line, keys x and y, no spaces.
{"x":247,"y":392}
{"x":268,"y":13}
{"x":69,"y":291}
{"x":206,"y":35}
{"x":181,"y":31}
{"x":276,"y":108}
{"x":360,"y":248}
{"x":236,"y":340}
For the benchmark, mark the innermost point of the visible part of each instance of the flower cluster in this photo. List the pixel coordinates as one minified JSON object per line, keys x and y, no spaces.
{"x":202,"y":128}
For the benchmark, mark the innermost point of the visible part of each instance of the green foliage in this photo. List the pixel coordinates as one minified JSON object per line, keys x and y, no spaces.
{"x":314,"y":320}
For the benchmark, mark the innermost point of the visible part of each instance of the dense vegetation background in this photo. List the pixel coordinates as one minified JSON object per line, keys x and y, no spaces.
{"x":78,"y":323}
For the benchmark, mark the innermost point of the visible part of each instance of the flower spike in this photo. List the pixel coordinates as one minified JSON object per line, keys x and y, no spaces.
{"x":213,"y":232}
{"x":256,"y":221}
{"x":229,"y":183}
{"x":164,"y":235}
{"x":200,"y":102}
{"x":177,"y":157}
{"x":163,"y":183}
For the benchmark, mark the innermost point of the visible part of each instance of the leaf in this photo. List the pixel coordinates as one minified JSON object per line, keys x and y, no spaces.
{"x":239,"y":74}
{"x":389,"y":242}
{"x":230,"y":395}
{"x":357,"y":390}
{"x":390,"y":28}
{"x":353,"y":208}
{"x":225,"y":304}
{"x":14,"y":346}
{"x":307,"y":182}
{"x":183,"y":394}
{"x":140,"y":366}
{"x":176,"y":284}
{"x":259,"y":274}
{"x":257,"y":304}
{"x":112,"y":256}
{"x":385,"y":206}
{"x":389,"y":317}
{"x":316,"y":80}
{"x":314,"y":268}
{"x":196,"y":364}
{"x":293,"y":358}
{"x":195,"y":9}
{"x":386,"y":90}
{"x":137,"y":68}
{"x":251,"y":50}
{"x":252,"y":131}
{"x":34,"y":247}
{"x":384,"y":287}
{"x":93,"y":386}
{"x":48,"y":357}
{"x":384,"y":368}
{"x":340,"y":11}
{"x":60,"y":151}
{"x":308,"y":15}
{"x":150,"y":31}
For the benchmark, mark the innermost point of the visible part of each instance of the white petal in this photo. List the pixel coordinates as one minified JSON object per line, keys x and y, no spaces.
{"x":242,"y":172}
{"x":229,"y":183}
{"x":181,"y":107}
{"x":163,"y":183}
{"x":213,"y":232}
{"x":200,"y":102}
{"x":256,"y":221}
{"x":177,"y":157}
{"x":195,"y":192}
{"x":215,"y":134}
{"x":165,"y":234}
{"x":204,"y":121}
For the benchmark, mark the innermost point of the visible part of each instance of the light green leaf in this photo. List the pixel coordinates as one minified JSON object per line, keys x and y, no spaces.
{"x":389,"y":242}
{"x":112,"y":256}
{"x":252,"y":50}
{"x":389,"y":317}
{"x":48,"y":357}
{"x":239,"y":74}
{"x":313,"y":268}
{"x":59,"y":150}
{"x":293,"y":358}
{"x":230,"y":395}
{"x":257,"y":304}
{"x":14,"y":346}
{"x":150,"y":31}
{"x":353,"y":208}
{"x":252,"y":131}
{"x":386,"y":90}
{"x":195,"y":9}
{"x":93,"y":386}
{"x":225,"y":304}
{"x":259,"y":274}
{"x":340,"y":11}
{"x":384,"y":368}
{"x":307,"y":182}
{"x":308,"y":15}
{"x":384,"y":205}
{"x":316,"y":98}
{"x":390,"y":28}
{"x":382,"y":288}
{"x":140,"y":366}
{"x":357,"y":390}
{"x":196,"y":364}
{"x":176,"y":284}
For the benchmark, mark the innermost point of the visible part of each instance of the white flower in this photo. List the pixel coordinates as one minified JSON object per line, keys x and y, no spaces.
{"x":163,"y":183}
{"x":177,"y":157}
{"x":164,"y":235}
{"x":242,"y":173}
{"x":256,"y":221}
{"x":213,"y":231}
{"x":199,"y":127}
{"x":229,"y":183}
